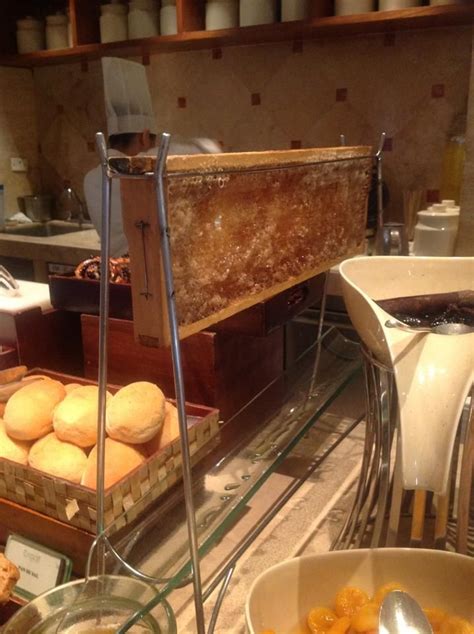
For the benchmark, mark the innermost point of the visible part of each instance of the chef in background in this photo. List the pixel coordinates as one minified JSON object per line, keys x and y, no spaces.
{"x":132,"y":130}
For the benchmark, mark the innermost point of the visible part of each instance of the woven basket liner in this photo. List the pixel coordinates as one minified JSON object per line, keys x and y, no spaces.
{"x":124,"y":501}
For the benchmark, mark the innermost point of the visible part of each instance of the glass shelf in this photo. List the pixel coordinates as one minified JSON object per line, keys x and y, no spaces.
{"x":252,"y":448}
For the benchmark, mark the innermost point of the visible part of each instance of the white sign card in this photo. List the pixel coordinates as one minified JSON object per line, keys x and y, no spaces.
{"x":40,"y":568}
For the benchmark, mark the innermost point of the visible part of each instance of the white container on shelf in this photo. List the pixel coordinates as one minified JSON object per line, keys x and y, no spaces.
{"x":351,"y":7}
{"x":222,"y":14}
{"x":257,"y":12}
{"x":143,"y":19}
{"x":57,"y":31}
{"x":113,"y":22}
{"x":295,"y":10}
{"x":30,"y":35}
{"x":436,"y":231}
{"x":393,"y":5}
{"x":168,"y":18}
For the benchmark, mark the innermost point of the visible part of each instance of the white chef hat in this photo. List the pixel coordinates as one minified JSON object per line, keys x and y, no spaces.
{"x":127,"y":97}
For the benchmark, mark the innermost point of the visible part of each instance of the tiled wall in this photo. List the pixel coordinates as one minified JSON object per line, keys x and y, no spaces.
{"x":18,"y":137}
{"x":465,"y":241}
{"x":413,"y":85}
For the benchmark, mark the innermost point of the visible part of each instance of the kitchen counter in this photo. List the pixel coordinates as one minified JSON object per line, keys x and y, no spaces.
{"x":67,"y":249}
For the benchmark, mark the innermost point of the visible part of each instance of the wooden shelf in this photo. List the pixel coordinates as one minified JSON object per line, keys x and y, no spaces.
{"x":334,"y":26}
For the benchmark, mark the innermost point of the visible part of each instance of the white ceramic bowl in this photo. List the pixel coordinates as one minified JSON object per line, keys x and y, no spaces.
{"x":282,"y":596}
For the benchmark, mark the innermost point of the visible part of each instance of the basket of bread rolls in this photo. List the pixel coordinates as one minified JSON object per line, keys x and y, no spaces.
{"x":48,"y":452}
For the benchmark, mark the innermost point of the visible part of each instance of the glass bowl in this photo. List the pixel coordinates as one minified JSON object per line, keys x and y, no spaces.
{"x":75,"y":607}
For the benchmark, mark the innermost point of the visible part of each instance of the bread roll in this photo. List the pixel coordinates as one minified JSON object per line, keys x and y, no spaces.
{"x":136,"y":412}
{"x":15,"y":450}
{"x":2,"y":409}
{"x":69,"y":387}
{"x":58,"y":458}
{"x":29,"y":412}
{"x":75,"y":418}
{"x":120,"y":459}
{"x":168,"y":432}
{"x":9,"y":575}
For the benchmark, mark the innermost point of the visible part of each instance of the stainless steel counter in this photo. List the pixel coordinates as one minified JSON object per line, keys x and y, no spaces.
{"x":37,"y":252}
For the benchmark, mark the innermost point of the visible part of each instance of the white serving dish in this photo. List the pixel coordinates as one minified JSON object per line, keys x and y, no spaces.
{"x":282,"y":596}
{"x":433,"y":372}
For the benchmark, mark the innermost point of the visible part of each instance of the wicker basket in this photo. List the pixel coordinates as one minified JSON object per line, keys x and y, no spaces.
{"x":125,"y":500}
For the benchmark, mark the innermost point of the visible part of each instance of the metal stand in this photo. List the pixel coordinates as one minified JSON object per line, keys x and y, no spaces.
{"x":102,"y":540}
{"x":375,"y":517}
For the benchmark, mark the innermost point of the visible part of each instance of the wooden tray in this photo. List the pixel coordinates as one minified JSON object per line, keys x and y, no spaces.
{"x":76,"y":505}
{"x":243,"y":227}
{"x":83,"y":296}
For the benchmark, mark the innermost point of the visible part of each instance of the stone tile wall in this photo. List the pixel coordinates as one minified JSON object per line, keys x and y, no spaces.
{"x":412,"y":85}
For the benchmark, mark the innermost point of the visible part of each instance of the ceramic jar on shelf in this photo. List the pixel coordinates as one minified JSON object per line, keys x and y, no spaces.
{"x":143,"y":19}
{"x":113,"y":22}
{"x":257,"y":12}
{"x":393,"y":5}
{"x":351,"y":7}
{"x":30,"y":36}
{"x":295,"y":10}
{"x":57,"y":31}
{"x":222,"y":14}
{"x":168,"y":18}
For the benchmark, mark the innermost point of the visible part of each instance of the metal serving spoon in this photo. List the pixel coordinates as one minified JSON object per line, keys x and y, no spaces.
{"x":440,"y":329}
{"x":401,"y":614}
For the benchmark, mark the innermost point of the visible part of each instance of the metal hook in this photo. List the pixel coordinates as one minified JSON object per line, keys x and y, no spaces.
{"x":378,"y":154}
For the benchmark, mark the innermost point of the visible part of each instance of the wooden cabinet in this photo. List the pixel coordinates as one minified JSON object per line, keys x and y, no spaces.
{"x":84,"y":17}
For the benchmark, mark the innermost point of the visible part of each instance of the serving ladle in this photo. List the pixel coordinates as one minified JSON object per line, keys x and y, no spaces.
{"x":401,"y":614}
{"x":439,"y":329}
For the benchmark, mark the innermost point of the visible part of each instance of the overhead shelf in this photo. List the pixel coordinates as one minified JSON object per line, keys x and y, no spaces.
{"x":332,"y":26}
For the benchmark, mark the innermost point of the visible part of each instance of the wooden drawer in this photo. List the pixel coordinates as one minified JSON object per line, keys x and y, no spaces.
{"x":266,"y":316}
{"x":221,"y":369}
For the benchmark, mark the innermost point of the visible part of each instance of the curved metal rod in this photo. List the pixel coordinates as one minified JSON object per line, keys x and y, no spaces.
{"x":220,"y":599}
{"x":103,"y":338}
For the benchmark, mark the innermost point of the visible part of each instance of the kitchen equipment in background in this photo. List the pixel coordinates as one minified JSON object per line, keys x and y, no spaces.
{"x":143,"y":19}
{"x":349,"y":7}
{"x":168,"y":18}
{"x":257,"y":12}
{"x":37,"y":207}
{"x":30,"y":35}
{"x":394,"y":5}
{"x":436,"y":231}
{"x":392,"y":239}
{"x":222,"y":14}
{"x":295,"y":10}
{"x":69,"y":206}
{"x":453,"y":167}
{"x":435,"y":3}
{"x":8,"y":284}
{"x":113,"y":22}
{"x":412,"y":203}
{"x":57,"y":31}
